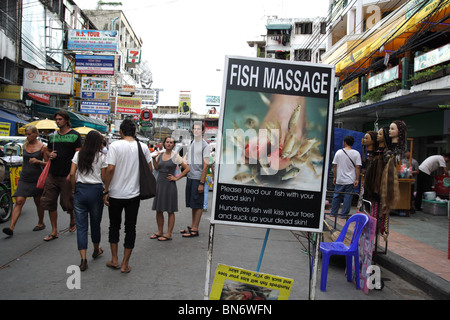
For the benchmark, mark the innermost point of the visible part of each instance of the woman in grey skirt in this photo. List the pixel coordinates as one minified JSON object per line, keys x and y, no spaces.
{"x":34,"y":158}
{"x":166,"y":198}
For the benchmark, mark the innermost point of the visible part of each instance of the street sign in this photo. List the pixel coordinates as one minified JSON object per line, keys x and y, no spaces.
{"x":146,"y":115}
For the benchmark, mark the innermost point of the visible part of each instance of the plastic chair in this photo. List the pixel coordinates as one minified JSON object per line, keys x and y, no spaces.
{"x":339,"y":248}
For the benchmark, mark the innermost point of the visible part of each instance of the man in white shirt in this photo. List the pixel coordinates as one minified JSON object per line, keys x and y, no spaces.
{"x":122,"y":191}
{"x":346,"y":168}
{"x":425,"y":181}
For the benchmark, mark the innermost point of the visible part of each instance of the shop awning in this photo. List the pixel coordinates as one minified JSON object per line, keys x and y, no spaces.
{"x":10,"y":126}
{"x":279,"y":26}
{"x":402,"y":23}
{"x":76,"y":119}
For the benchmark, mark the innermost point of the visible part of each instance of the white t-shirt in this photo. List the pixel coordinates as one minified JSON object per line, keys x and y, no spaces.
{"x":345,"y":171}
{"x":95,"y":176}
{"x":432,"y":163}
{"x":123,"y":155}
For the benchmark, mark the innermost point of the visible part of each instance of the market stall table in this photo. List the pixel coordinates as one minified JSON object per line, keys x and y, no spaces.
{"x":404,"y":201}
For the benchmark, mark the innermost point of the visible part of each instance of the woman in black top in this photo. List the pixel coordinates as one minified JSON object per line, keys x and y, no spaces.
{"x":34,"y":158}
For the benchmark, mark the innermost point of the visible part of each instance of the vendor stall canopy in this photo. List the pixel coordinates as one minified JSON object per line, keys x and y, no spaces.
{"x":76,"y":119}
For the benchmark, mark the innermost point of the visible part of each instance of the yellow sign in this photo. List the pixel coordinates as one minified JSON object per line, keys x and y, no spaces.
{"x":231,"y":283}
{"x":14,"y":175}
{"x":5,"y":128}
{"x":350,"y":89}
{"x":10,"y":92}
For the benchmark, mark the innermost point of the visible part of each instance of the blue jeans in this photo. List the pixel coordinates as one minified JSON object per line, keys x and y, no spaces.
{"x":88,"y":205}
{"x":338,"y":196}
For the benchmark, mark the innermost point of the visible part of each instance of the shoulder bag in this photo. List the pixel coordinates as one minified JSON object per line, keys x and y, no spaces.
{"x":147,"y":180}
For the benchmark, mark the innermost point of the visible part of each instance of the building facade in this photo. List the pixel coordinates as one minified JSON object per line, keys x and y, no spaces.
{"x":391,"y":62}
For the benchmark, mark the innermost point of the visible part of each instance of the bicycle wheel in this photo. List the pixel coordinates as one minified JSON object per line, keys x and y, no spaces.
{"x":6,"y":205}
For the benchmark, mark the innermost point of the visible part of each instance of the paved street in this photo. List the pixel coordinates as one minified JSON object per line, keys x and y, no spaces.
{"x":34,"y":269}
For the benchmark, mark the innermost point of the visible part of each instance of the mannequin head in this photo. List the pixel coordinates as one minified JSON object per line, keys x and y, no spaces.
{"x":397,"y":132}
{"x":384,"y":141}
{"x":393,"y":132}
{"x":370,"y":141}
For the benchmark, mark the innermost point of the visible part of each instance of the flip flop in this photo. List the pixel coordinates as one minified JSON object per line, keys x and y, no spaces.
{"x":164,"y":238}
{"x":156,"y":236}
{"x":50,"y":237}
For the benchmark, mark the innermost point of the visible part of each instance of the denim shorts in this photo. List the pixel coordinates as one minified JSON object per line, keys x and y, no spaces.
{"x":194,"y":199}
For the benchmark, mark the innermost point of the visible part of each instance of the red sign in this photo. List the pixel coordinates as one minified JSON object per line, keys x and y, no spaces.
{"x":146,"y":115}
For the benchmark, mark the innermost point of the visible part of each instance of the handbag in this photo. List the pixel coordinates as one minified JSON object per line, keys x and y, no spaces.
{"x":41,"y":181}
{"x":147,"y":181}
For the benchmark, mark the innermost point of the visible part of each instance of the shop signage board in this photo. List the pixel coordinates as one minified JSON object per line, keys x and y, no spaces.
{"x":46,"y":81}
{"x":273,"y":154}
{"x":92,"y":40}
{"x":384,"y":77}
{"x":94,"y":107}
{"x":95,"y":88}
{"x":432,"y":58}
{"x":128,"y":105}
{"x":351,"y":89}
{"x":89,"y":64}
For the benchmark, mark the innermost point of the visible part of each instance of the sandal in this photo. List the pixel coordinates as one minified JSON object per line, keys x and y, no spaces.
{"x":39,"y":228}
{"x":156,"y":236}
{"x":187,"y":230}
{"x":96,"y":253}
{"x":50,"y":237}
{"x":191,"y":234}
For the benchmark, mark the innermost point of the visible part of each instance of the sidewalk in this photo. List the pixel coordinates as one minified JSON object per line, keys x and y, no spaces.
{"x":417,"y":250}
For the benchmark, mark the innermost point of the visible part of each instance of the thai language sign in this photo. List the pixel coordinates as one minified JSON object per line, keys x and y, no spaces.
{"x":351,"y":89}
{"x":46,"y":81}
{"x":275,"y":128}
{"x":94,"y":64}
{"x":92,"y":40}
{"x":231,"y":283}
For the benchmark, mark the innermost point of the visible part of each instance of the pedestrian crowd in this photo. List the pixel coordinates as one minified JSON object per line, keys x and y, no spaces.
{"x":86,"y":176}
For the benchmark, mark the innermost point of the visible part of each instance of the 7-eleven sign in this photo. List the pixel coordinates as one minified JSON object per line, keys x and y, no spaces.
{"x":133,"y":56}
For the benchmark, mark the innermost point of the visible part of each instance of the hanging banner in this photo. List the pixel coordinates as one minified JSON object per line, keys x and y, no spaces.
{"x":231,"y":283}
{"x":275,"y":125}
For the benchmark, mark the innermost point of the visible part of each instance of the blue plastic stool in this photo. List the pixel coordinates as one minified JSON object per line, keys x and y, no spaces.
{"x":339,"y":248}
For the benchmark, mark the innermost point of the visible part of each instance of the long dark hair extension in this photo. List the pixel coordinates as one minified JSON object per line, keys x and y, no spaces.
{"x":90,"y":150}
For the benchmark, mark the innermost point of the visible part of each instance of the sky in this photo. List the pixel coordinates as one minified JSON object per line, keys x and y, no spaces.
{"x":185,"y":42}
